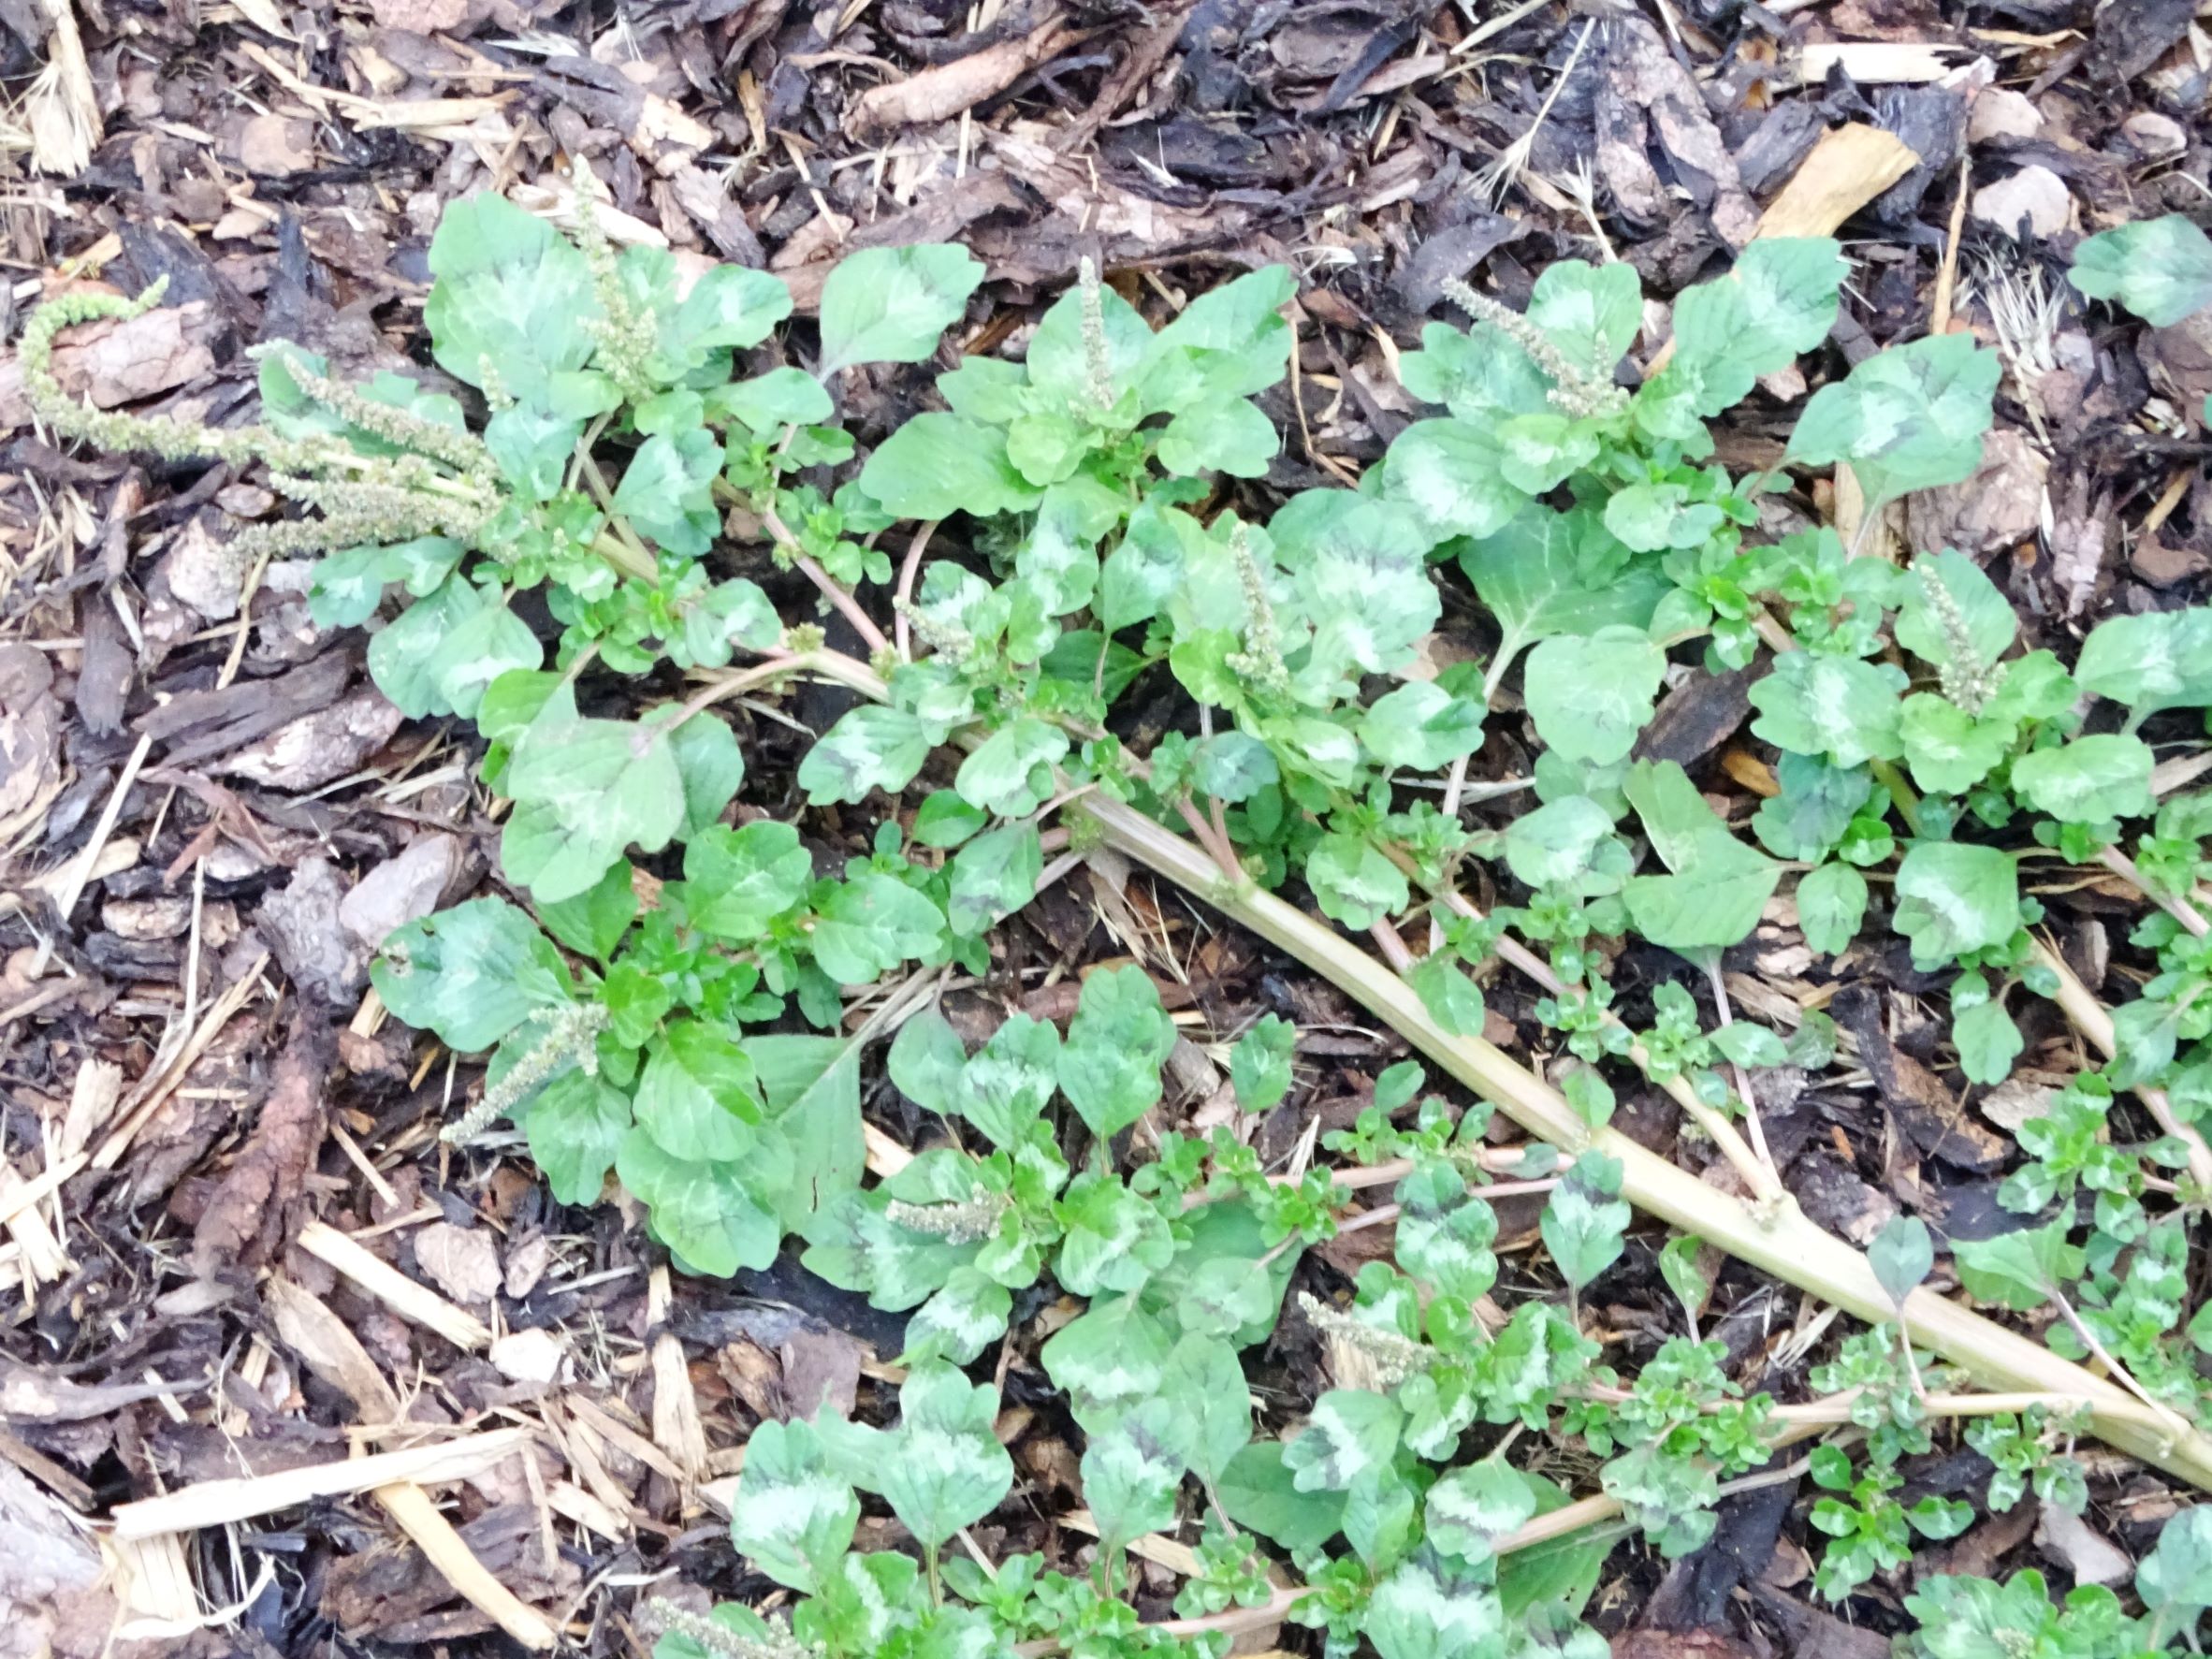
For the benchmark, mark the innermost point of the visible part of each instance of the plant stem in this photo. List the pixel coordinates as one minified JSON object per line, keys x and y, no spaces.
{"x":1785,"y":1244}
{"x":635,"y":559}
{"x":830,"y":588}
{"x":2105,"y":1357}
{"x":2120,"y":865}
{"x":2094,"y":1021}
{"x":1758,"y":1173}
{"x":1900,"y":792}
{"x":1751,"y":1106}
{"x":908,"y":568}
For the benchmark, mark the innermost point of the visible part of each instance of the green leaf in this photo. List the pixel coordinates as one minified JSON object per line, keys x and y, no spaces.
{"x":925,"y":1061}
{"x":731,"y":307}
{"x":1258,"y":1490}
{"x":1010,"y":771}
{"x":1590,"y":697}
{"x":1354,"y":882}
{"x":2019,"y":1270}
{"x":891,"y":305}
{"x":1350,"y":1434}
{"x":1911,"y":417}
{"x":458,"y":631}
{"x":532,"y":449}
{"x":1953,"y":899}
{"x":1226,"y":435}
{"x":771,"y":402}
{"x":1450,"y":474}
{"x":1546,"y":572}
{"x":969,"y":1313}
{"x":1903,"y":1255}
{"x":1814,"y":808}
{"x":1132,"y":1473}
{"x":938,"y":464}
{"x":946,"y":1470}
{"x":1677,"y":1266}
{"x":1567,"y":843}
{"x":1718,"y":886}
{"x":1453,"y":1001}
{"x":1116,"y":1043}
{"x":471,"y":974}
{"x":1751,"y":1045}
{"x":944,"y":819}
{"x":1778,"y":303}
{"x":1233,"y":767}
{"x":1843,"y":708}
{"x":1475,"y":1506}
{"x":1987,"y":1041}
{"x":871,"y":747}
{"x":1655,"y":518}
{"x":349,"y":585}
{"x":792,"y":1517}
{"x":1419,"y":725}
{"x":1444,"y":1232}
{"x":1583,"y":1230}
{"x":1591,"y":312}
{"x":510,"y":300}
{"x":667,"y":490}
{"x":2159,"y":269}
{"x":1230,"y":341}
{"x":708,"y":762}
{"x":870,"y":924}
{"x":993,"y":876}
{"x":1206,"y":1388}
{"x":2175,"y":1580}
{"x":593,"y":922}
{"x":1005,"y":1088}
{"x":1107,"y":1360}
{"x":698,"y":1097}
{"x":1482,"y":376}
{"x":2159,"y":659}
{"x":1423,"y":1611}
{"x":585,"y":790}
{"x":1059,"y":362}
{"x":1259,"y":1063}
{"x":811,"y":1087}
{"x":715,"y":1217}
{"x":1949,"y":749}
{"x":1831,"y":905}
{"x":738,"y":880}
{"x":1985,"y":615}
{"x":855,"y":1245}
{"x":1111,"y":1240}
{"x":575,"y":1125}
{"x":2088,"y":780}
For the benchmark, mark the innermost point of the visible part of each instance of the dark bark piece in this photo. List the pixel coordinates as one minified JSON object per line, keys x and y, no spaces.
{"x":1454,"y":253}
{"x":1813,"y":1632}
{"x":1697,"y":1590}
{"x":1766,"y":159}
{"x":1925,"y":1109}
{"x":254,"y":1211}
{"x":2133,"y":35}
{"x":1931,"y":120}
{"x":302,"y":924}
{"x":104,"y":679}
{"x":1699,"y":716}
{"x":202,"y":724}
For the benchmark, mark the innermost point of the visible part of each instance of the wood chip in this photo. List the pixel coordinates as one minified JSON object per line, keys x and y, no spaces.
{"x":215,"y":1503}
{"x":416,"y":1302}
{"x":1849,"y":168}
